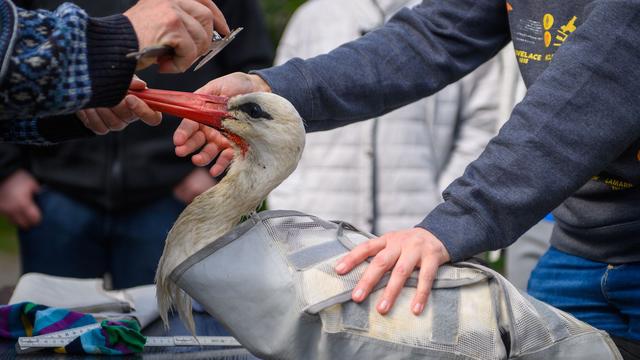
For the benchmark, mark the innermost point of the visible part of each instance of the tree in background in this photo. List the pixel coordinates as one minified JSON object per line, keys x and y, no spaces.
{"x":277,"y":13}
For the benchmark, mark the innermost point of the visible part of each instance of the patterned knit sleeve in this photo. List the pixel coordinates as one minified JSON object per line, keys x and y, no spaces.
{"x":48,"y":70}
{"x":63,"y":61}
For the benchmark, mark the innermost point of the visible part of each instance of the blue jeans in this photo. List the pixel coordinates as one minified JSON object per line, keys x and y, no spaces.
{"x":602,"y":295}
{"x":77,"y":240}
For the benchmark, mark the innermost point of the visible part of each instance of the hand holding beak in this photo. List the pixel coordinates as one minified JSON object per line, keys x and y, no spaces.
{"x":207,"y":143}
{"x":130,"y":109}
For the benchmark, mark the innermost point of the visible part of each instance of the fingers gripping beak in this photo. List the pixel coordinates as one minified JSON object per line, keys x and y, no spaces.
{"x":209,"y":110}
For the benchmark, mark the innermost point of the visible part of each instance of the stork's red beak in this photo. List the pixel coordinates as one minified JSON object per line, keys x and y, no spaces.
{"x":205,"y":109}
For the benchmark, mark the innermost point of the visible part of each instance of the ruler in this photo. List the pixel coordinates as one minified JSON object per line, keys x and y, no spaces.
{"x":65,"y":337}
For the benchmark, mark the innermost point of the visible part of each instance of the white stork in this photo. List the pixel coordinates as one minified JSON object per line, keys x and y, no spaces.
{"x":268,"y":137}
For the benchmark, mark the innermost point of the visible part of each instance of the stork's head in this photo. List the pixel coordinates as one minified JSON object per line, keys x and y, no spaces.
{"x":268,"y":137}
{"x":265,"y":126}
{"x":261,"y":118}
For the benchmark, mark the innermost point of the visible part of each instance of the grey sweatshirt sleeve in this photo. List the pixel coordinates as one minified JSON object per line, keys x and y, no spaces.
{"x":579,"y":115}
{"x":417,"y":53}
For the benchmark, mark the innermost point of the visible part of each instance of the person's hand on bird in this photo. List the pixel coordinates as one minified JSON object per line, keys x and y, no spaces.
{"x":130,"y":109}
{"x":237,"y":83}
{"x":399,"y":252}
{"x":209,"y":144}
{"x":191,"y":136}
{"x":185,"y":25}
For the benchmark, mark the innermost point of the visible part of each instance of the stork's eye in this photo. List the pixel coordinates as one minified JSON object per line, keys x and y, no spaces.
{"x":254,"y":110}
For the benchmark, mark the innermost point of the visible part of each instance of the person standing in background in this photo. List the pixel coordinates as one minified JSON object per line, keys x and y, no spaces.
{"x":385,"y":173}
{"x":104,"y":205}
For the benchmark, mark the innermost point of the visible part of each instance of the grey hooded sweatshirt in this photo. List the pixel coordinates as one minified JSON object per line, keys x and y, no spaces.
{"x":571,"y":144}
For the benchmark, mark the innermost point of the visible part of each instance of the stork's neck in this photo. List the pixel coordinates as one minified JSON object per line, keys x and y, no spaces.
{"x":249,"y":180}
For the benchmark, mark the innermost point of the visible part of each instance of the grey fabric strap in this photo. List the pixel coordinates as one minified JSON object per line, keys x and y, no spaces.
{"x":444,"y":303}
{"x":356,"y":316}
{"x":309,"y":256}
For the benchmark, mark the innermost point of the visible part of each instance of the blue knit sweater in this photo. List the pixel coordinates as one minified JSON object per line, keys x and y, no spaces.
{"x":56,"y":63}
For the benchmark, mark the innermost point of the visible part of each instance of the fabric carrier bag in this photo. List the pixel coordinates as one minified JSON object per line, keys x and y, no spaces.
{"x":271,"y":282}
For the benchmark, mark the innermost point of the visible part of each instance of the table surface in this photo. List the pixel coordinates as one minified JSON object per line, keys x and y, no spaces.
{"x":205,"y":326}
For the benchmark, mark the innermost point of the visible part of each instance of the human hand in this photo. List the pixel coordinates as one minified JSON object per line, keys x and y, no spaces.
{"x":237,"y":83}
{"x":194,"y":184}
{"x":401,"y":251}
{"x":17,"y":199}
{"x":191,"y":136}
{"x":185,"y":25}
{"x":130,"y":109}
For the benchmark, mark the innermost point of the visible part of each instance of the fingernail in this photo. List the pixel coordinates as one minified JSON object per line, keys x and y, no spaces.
{"x":82,"y":115}
{"x":384,"y":306}
{"x":357,"y":295}
{"x":417,"y":308}
{"x":130,"y":100}
{"x":341,"y":268}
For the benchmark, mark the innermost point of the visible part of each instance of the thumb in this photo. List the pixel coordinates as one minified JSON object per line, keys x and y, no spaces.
{"x":34,"y":185}
{"x":137,"y":83}
{"x":213,"y":87}
{"x":33,"y":214}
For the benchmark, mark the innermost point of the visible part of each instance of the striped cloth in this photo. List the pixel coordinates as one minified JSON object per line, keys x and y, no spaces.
{"x":112,"y":338}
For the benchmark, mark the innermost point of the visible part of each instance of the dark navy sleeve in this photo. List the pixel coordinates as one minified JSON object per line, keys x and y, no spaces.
{"x":417,"y":53}
{"x":578,"y":117}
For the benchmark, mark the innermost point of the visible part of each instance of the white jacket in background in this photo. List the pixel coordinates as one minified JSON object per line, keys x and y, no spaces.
{"x":386,"y":173}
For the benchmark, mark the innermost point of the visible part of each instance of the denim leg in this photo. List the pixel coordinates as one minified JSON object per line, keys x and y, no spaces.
{"x":575,"y":285}
{"x":66,"y":242}
{"x":138,"y":239}
{"x":622,"y":288}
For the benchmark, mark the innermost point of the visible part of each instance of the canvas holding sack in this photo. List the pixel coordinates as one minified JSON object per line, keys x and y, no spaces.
{"x":271,"y":282}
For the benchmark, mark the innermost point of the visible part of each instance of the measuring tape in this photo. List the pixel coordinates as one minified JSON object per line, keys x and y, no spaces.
{"x":65,"y":337}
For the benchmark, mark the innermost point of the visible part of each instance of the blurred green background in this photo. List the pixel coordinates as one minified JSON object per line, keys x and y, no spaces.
{"x":8,"y":241}
{"x":277,"y":13}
